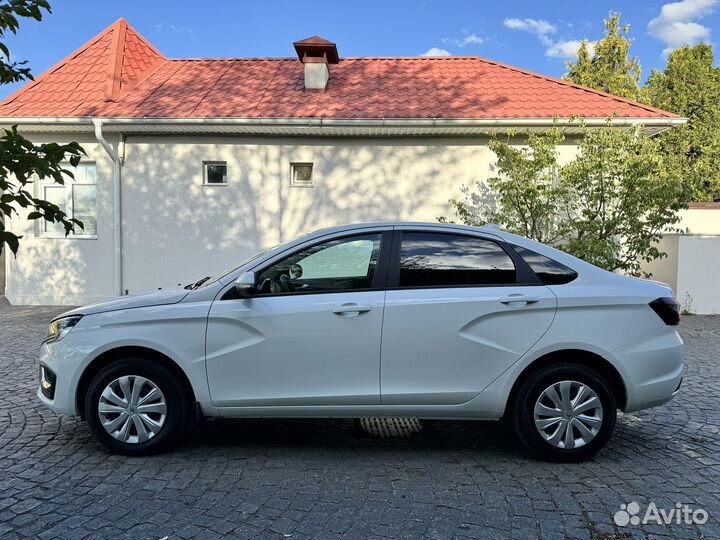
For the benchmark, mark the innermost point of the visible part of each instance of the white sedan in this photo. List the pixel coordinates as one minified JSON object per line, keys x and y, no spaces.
{"x":376,"y":320}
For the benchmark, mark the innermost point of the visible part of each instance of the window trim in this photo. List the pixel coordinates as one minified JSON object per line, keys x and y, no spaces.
{"x":577,"y":274}
{"x":67,"y":187}
{"x":293,"y":183}
{"x":379,"y":278}
{"x":524,"y":276}
{"x":205,"y":164}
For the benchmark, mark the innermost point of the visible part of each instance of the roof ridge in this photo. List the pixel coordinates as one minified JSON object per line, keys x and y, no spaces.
{"x":58,"y":65}
{"x":114,"y":67}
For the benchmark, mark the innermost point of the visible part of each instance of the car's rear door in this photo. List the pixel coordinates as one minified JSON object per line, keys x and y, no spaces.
{"x":459,"y":310}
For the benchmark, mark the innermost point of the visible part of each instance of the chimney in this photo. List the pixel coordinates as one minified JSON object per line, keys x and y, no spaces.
{"x":316,"y":54}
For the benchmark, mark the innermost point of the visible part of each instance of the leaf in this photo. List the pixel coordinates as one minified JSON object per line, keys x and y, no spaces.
{"x":35,"y":215}
{"x":12,"y":241}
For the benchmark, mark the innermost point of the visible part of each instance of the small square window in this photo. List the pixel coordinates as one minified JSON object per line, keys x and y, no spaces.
{"x":214,"y":172}
{"x":301,"y":174}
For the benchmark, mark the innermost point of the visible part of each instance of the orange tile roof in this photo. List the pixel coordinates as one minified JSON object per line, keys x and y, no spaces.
{"x":120,"y":74}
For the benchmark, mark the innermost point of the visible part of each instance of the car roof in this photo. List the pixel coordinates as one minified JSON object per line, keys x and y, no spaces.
{"x":489,"y":229}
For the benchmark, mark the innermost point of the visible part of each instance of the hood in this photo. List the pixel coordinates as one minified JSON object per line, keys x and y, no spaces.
{"x":159,"y":298}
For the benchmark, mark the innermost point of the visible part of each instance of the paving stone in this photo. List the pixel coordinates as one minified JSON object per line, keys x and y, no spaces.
{"x":323,"y":479}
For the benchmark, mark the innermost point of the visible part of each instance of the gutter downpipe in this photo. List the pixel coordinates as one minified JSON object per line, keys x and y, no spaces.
{"x":117,"y":232}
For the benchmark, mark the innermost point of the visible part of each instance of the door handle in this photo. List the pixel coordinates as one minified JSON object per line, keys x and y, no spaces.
{"x":351,"y":309}
{"x":518,"y":299}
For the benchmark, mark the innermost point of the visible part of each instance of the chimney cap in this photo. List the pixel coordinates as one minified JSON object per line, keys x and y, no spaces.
{"x":317,"y":47}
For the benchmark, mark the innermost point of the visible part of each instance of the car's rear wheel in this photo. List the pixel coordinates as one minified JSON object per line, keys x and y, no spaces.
{"x":135,"y":407}
{"x":564,"y":412}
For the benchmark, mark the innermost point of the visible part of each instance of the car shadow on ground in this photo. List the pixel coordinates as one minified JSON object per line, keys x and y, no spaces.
{"x":490,"y":438}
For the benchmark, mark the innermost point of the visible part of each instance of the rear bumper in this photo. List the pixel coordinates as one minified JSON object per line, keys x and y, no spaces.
{"x":652,"y":368}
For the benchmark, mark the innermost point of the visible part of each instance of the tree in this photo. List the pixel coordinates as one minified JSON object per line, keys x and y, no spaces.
{"x":610,"y":69}
{"x":21,"y":161}
{"x":608,"y":206}
{"x":690,"y":87}
{"x":526,"y":197}
{"x":620,"y":200}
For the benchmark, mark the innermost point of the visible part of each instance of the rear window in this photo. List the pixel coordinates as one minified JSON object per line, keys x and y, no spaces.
{"x":449,"y":260}
{"x":549,"y":271}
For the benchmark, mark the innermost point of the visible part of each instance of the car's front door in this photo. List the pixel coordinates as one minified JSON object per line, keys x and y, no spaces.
{"x":456,"y":317}
{"x":311,"y":334}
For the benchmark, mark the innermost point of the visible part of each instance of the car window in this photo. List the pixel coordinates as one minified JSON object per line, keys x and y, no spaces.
{"x":336,"y":265}
{"x":548,"y":270}
{"x":438,"y":259}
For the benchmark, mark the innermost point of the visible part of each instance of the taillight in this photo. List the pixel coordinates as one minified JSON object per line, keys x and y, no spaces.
{"x":668,"y":309}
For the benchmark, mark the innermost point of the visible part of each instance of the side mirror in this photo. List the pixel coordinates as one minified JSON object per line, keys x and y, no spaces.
{"x":245,"y":284}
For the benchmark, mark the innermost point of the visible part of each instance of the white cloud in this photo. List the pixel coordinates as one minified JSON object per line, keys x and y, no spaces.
{"x":468,"y":39}
{"x":567,"y":50}
{"x":434,"y":51}
{"x":564,"y":49}
{"x":539,"y":27}
{"x":676,"y":26}
{"x":169,"y":27}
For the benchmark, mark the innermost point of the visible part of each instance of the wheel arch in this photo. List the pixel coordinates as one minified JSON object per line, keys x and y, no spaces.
{"x":577,"y":356}
{"x":106,"y":358}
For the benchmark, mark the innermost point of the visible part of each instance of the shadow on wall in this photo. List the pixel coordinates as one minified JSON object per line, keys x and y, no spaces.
{"x":176,"y":230}
{"x":50,"y":272}
{"x":2,"y":272}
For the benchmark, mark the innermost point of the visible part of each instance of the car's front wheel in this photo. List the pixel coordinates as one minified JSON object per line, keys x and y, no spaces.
{"x":564,"y":412}
{"x":135,"y":406}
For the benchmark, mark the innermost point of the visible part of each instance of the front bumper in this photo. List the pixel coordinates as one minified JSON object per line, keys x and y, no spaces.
{"x":61,"y":360}
{"x":652,"y":368}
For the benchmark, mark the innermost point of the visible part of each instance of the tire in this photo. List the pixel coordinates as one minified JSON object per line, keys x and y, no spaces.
{"x":540,"y":396}
{"x":143,"y":429}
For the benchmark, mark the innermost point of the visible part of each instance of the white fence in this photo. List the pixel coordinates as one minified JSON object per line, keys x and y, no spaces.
{"x":692,"y":267}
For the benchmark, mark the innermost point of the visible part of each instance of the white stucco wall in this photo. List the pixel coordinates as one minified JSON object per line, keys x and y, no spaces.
{"x":176,"y":230}
{"x":65,"y":271}
{"x":692,"y":267}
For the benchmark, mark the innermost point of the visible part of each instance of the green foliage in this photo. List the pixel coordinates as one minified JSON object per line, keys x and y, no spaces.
{"x":611,"y":69}
{"x":608,"y":206}
{"x":531,"y":192}
{"x":690,"y":87}
{"x":9,"y":13}
{"x":619,"y":200}
{"x":21,"y":161}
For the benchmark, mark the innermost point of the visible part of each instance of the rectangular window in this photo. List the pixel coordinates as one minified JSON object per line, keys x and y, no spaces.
{"x":214,"y":173}
{"x":301,"y":174}
{"x":447,"y":260}
{"x":77,"y":198}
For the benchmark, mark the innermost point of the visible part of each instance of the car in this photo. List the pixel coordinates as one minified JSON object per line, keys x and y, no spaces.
{"x":390,"y":319}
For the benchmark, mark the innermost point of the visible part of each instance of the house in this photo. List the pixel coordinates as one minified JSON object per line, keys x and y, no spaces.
{"x":195,"y":164}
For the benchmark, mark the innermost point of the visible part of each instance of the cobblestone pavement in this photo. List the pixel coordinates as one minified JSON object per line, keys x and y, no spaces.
{"x":324,"y":479}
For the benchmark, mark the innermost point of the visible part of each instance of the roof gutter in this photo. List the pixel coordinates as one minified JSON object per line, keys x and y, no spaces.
{"x":273,"y":124}
{"x":117,"y":218}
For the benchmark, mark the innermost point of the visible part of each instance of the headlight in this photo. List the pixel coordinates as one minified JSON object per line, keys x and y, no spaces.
{"x":59,"y":328}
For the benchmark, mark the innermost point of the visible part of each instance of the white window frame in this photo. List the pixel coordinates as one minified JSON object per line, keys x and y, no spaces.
{"x":49,"y":183}
{"x":294,"y":182}
{"x":205,"y":164}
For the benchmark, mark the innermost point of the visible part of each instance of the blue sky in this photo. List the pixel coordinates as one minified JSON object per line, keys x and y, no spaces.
{"x":534,"y":35}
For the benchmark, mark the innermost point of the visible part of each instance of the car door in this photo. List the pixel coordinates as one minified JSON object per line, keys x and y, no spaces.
{"x":311,"y":334}
{"x":459,"y":310}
